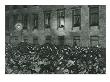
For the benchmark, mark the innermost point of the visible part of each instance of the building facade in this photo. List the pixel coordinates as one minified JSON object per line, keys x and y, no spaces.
{"x":82,"y":25}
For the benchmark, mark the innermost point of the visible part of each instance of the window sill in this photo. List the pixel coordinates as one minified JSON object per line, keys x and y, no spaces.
{"x":76,"y":29}
{"x":94,"y":28}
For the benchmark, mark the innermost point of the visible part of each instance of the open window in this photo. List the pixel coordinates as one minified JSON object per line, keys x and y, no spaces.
{"x":60,"y":18}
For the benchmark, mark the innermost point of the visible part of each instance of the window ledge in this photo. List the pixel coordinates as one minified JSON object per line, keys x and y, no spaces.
{"x":95,"y":28}
{"x":76,"y":29}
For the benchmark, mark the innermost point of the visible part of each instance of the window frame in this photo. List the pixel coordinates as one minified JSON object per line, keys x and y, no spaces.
{"x":74,"y":15}
{"x":59,"y":18}
{"x":92,"y":13}
{"x":47,"y":16}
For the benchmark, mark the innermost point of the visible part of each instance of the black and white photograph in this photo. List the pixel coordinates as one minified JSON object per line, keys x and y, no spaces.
{"x":55,"y":39}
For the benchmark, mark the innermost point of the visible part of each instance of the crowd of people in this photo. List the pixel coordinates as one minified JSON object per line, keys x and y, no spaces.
{"x":26,"y":58}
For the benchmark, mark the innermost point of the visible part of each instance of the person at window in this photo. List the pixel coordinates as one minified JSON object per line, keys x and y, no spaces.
{"x":62,"y":26}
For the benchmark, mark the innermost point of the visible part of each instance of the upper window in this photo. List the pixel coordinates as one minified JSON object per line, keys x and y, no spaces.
{"x":35,"y":16}
{"x":94,"y":15}
{"x":60,"y":18}
{"x":47,"y":19}
{"x":76,"y":17}
{"x":94,"y":40}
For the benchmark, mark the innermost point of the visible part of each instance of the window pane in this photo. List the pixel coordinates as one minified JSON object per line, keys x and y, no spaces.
{"x":76,"y":17}
{"x":94,"y":16}
{"x":76,"y":21}
{"x":47,"y":19}
{"x":94,"y":10}
{"x":76,"y":12}
{"x":61,"y":21}
{"x":61,"y":18}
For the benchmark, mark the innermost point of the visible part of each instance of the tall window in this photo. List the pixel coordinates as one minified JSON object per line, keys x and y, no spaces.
{"x":76,"y":17}
{"x":94,"y":40}
{"x":76,"y":40}
{"x":7,"y":23}
{"x":61,"y":40}
{"x":47,"y":19}
{"x":60,"y":18}
{"x":94,"y":15}
{"x":24,"y":21}
{"x":35,"y":40}
{"x":48,"y":39}
{"x":35,"y":16}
